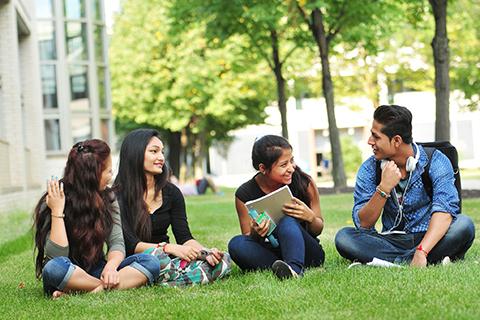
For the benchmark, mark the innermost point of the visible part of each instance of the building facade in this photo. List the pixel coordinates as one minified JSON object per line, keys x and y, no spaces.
{"x":309,"y":136}
{"x":22,"y":150}
{"x":74,"y":75}
{"x":54,"y":90}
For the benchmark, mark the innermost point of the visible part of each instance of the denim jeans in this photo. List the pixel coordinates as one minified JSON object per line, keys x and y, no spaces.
{"x":364,"y":244}
{"x":59,"y":270}
{"x":297,"y":248}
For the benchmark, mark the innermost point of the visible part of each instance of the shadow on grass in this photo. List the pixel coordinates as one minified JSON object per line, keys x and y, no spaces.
{"x":15,"y":246}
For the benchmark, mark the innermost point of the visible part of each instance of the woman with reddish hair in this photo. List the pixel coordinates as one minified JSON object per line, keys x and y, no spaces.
{"x":74,"y":219}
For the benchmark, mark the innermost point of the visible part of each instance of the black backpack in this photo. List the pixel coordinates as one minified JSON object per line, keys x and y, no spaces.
{"x":447,"y":149}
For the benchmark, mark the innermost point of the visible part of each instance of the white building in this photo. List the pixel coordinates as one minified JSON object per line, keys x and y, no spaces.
{"x":54,"y":90}
{"x":22,"y":146}
{"x":308,"y":133}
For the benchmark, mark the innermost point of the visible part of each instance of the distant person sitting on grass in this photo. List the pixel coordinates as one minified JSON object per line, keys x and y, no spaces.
{"x":73,"y":221}
{"x":150,"y":205}
{"x":296,"y":232}
{"x":198,"y":188}
{"x":416,"y":229}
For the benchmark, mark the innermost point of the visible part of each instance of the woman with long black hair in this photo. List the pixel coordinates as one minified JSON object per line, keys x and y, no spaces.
{"x":150,"y":204}
{"x":296,"y":232}
{"x":74,"y":219}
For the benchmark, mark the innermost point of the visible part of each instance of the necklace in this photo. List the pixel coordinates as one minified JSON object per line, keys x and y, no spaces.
{"x":153,"y":203}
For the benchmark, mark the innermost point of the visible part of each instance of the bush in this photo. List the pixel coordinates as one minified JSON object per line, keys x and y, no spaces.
{"x":352,"y":155}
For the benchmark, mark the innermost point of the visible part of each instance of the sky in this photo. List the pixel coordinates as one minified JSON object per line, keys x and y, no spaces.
{"x":111,"y":7}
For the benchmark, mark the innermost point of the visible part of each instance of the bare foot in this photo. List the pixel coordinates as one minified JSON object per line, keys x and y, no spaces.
{"x":57,"y":294}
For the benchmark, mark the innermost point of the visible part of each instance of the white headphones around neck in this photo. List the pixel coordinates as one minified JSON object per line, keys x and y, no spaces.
{"x":409,"y":167}
{"x":411,"y":163}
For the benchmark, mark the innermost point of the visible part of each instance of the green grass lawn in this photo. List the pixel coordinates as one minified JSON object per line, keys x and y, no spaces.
{"x":449,"y":292}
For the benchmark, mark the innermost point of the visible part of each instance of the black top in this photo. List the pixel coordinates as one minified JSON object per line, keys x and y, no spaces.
{"x":172,"y":212}
{"x":250,"y":190}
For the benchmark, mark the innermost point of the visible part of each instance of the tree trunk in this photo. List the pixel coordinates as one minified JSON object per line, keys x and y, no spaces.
{"x":277,"y":69}
{"x":174,"y":150}
{"x":184,"y":155}
{"x":318,"y":31}
{"x":441,"y":62}
{"x":199,"y":155}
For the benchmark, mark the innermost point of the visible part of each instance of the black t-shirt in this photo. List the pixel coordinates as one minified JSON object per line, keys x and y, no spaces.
{"x":171,"y":213}
{"x":250,"y":190}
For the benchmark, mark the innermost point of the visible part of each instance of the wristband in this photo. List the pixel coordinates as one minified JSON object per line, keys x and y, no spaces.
{"x":163,"y":246}
{"x":60,"y":216}
{"x":419,"y":248}
{"x":382,"y":193}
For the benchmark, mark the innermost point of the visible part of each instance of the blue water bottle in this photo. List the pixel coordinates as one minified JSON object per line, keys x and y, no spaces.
{"x":271,"y":238}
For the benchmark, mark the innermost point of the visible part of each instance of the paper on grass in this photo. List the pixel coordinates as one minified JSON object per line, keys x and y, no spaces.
{"x":272,"y":203}
{"x":382,"y":263}
{"x":376,"y":262}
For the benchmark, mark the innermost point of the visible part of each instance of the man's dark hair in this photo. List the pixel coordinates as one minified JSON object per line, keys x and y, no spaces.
{"x":396,"y":120}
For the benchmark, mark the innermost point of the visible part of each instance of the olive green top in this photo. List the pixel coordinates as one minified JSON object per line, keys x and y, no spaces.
{"x":114,"y":241}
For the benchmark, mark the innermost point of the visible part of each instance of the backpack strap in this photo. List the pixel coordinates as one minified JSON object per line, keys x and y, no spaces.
{"x":378,"y":172}
{"x":427,"y":182}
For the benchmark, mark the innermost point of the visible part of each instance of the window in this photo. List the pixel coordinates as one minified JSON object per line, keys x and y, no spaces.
{"x":74,"y":9}
{"x":2,"y":116}
{"x":105,"y":130}
{"x":98,"y":39}
{"x":76,"y":41}
{"x":52,"y":134}
{"x":46,"y":40}
{"x":44,"y":9}
{"x":79,"y":88}
{"x":49,"y":86}
{"x":81,"y":128}
{"x":97,"y":10}
{"x":102,"y":98}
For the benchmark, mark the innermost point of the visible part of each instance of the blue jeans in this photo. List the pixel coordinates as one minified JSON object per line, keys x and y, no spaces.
{"x":59,"y":270}
{"x":297,"y":248}
{"x":364,"y":244}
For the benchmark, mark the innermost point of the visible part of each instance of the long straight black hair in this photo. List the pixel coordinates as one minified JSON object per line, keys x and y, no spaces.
{"x":267,"y":150}
{"x":131,"y":183}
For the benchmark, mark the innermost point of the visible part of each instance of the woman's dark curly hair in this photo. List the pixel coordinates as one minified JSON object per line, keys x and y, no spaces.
{"x":88,"y":210}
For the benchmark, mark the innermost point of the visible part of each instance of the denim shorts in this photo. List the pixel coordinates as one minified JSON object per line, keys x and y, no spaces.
{"x":58,"y":271}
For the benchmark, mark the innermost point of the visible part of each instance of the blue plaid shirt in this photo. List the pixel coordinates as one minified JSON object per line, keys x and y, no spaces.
{"x":417,"y":207}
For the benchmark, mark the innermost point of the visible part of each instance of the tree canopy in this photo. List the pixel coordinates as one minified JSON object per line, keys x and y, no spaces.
{"x":178,"y":81}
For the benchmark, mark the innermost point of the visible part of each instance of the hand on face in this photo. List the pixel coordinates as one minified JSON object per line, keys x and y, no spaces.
{"x":391,"y":176}
{"x":299,"y":210}
{"x":55,"y":196}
